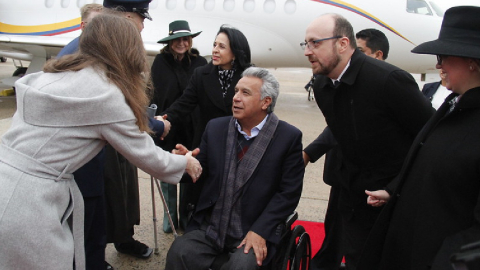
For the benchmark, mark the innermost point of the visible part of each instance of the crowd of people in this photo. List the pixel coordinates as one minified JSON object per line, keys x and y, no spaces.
{"x":403,"y":174}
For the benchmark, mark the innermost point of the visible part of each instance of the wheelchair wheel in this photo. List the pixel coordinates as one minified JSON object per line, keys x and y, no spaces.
{"x":298,"y":252}
{"x":303,"y":253}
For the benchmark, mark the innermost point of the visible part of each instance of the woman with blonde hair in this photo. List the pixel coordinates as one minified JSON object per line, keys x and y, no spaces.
{"x":171,"y":71}
{"x":65,"y":116}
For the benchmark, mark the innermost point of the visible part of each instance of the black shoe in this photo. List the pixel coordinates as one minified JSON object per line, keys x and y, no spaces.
{"x":108,"y":266}
{"x":134,"y":248}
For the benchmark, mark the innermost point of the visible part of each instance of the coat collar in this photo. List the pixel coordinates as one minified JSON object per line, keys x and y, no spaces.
{"x":213,"y":88}
{"x":469,"y":100}
{"x":67,"y":99}
{"x":350,"y":74}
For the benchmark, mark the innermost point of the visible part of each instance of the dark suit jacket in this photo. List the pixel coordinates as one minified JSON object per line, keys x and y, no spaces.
{"x":204,"y":90}
{"x":374,"y":114}
{"x":272,"y":192}
{"x":429,"y":89}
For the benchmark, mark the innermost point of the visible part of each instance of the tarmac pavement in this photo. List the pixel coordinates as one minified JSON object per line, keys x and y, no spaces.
{"x":292,"y":107}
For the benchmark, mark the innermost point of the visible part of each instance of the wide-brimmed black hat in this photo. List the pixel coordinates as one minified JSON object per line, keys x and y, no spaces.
{"x":177,"y":29}
{"x":459,"y":34}
{"x":138,"y":6}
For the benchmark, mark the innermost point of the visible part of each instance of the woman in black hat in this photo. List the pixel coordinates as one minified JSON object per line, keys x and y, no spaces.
{"x":211,"y":88}
{"x":171,"y":71}
{"x":434,"y":208}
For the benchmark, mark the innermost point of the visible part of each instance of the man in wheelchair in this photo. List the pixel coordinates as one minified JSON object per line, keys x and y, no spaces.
{"x":252,"y":181}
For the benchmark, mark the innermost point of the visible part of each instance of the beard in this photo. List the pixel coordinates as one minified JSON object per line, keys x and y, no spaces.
{"x":327,"y":68}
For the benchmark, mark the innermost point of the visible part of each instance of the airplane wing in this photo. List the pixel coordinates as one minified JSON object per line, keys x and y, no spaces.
{"x":38,"y":49}
{"x":35,"y":49}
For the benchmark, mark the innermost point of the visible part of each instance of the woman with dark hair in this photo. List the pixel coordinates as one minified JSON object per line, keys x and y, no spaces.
{"x":171,"y":71}
{"x":433,"y":207}
{"x":212,"y":88}
{"x":65,"y":116}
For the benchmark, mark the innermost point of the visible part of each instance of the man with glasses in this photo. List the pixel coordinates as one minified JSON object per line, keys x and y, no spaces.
{"x":373,"y":109}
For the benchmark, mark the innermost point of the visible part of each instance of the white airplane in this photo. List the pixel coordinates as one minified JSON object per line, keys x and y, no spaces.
{"x":36,"y":30}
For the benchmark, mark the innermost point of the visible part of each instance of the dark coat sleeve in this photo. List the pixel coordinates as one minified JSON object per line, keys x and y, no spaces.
{"x":186,"y":103}
{"x":321,"y":145}
{"x":158,"y":127}
{"x":406,"y":103}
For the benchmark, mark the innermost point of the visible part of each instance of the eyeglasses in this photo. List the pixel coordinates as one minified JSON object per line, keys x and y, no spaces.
{"x":440,"y":59}
{"x":313,"y":43}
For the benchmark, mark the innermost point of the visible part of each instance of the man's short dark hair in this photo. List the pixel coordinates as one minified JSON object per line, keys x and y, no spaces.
{"x":375,"y":40}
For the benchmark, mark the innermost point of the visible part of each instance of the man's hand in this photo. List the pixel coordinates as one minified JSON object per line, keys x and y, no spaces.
{"x":194,"y":169}
{"x":259,"y":246}
{"x":180,"y":149}
{"x":377,"y":198}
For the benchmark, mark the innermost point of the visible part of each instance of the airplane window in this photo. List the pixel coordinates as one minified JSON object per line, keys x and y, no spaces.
{"x":290,"y":6}
{"x":190,"y":4}
{"x":171,"y":4}
{"x":80,"y":3}
{"x":229,"y":5}
{"x":65,"y":3}
{"x":438,"y":10}
{"x":249,"y":5}
{"x":209,"y":5}
{"x":49,"y":3}
{"x":152,"y":5}
{"x":418,"y":7}
{"x":269,"y":6}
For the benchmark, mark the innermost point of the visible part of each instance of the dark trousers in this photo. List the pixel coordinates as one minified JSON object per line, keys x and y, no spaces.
{"x":95,"y":234}
{"x":193,"y":251}
{"x":330,"y":255}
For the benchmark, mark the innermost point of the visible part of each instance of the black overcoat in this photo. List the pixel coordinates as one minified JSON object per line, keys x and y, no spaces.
{"x":436,"y":207}
{"x":170,"y":78}
{"x":374,"y":114}
{"x":204,"y":90}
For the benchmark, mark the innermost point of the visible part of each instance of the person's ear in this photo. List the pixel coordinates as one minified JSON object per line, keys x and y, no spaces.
{"x":343,"y":44}
{"x":379,"y":55}
{"x":266,"y":102}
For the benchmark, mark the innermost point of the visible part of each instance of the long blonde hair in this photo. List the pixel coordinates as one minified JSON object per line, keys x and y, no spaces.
{"x":113,"y":45}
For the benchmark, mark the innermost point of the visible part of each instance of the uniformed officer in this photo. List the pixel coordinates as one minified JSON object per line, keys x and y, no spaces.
{"x":121,"y":178}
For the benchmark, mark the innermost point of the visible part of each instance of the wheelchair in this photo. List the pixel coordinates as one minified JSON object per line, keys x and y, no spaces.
{"x":294,"y":251}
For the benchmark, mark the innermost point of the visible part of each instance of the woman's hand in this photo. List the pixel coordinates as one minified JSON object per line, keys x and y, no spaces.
{"x":377,"y":198}
{"x":194,"y":169}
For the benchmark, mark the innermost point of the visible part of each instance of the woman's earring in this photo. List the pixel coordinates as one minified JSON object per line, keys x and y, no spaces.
{"x":471,"y":68}
{"x":233,"y":62}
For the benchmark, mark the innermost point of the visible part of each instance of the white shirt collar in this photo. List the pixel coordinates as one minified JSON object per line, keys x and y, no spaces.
{"x":255,"y":130}
{"x":343,"y":72}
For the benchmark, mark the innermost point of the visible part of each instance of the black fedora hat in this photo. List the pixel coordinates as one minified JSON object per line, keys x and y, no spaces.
{"x":138,"y":6}
{"x":177,"y":29}
{"x":459,"y":34}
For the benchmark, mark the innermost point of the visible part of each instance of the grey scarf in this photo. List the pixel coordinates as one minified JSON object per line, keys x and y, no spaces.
{"x":235,"y":177}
